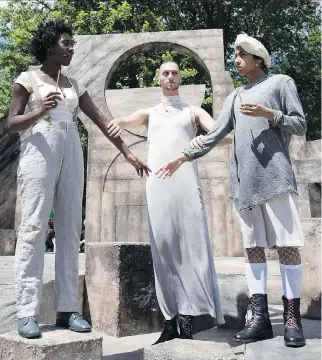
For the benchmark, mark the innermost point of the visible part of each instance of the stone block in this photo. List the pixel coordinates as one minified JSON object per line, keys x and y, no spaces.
{"x":120,"y":294}
{"x":189,"y":350}
{"x":55,"y":344}
{"x":307,"y":170}
{"x":313,"y":149}
{"x":275,"y":349}
{"x":7,"y":242}
{"x":311,"y":259}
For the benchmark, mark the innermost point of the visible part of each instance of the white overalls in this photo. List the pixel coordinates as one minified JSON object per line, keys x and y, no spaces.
{"x":50,"y":175}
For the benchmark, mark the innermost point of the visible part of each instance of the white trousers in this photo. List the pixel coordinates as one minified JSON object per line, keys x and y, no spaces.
{"x":50,"y":175}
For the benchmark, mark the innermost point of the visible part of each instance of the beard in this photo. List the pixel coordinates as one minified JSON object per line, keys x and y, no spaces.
{"x":174,"y":87}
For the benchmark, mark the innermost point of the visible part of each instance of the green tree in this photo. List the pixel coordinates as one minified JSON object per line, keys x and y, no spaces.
{"x":290,"y":27}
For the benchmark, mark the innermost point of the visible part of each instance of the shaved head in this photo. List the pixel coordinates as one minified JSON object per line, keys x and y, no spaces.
{"x":170,"y":62}
{"x":169,"y":77}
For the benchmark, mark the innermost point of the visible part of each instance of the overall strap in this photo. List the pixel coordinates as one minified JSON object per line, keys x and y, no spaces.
{"x":34,"y":86}
{"x":75,"y":85}
{"x":35,"y":90}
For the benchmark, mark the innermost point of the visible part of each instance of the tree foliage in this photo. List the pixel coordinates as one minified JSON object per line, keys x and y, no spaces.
{"x":291,"y":28}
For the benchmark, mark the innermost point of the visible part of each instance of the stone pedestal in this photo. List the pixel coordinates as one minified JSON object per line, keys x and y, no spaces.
{"x":311,"y":260}
{"x":55,"y":344}
{"x":189,"y":350}
{"x":7,"y":242}
{"x":275,"y":349}
{"x":120,"y":295}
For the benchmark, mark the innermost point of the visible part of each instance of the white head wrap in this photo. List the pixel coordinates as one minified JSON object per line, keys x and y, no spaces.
{"x":254,"y":47}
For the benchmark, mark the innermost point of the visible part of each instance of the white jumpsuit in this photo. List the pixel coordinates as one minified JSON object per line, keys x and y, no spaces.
{"x":50,"y":176}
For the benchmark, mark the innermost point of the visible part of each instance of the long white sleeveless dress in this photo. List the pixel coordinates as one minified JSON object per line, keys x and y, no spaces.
{"x":185,"y":276}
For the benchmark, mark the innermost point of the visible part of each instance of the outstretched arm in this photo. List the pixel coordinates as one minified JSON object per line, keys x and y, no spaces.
{"x":89,"y":109}
{"x":136,"y":119}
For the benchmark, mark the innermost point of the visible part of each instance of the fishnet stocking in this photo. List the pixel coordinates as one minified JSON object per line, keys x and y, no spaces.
{"x":289,"y":255}
{"x":255,"y":255}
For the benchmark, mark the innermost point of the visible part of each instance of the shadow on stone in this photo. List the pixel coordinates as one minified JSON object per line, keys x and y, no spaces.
{"x":133,"y":355}
{"x":235,"y":317}
{"x":218,"y":334}
{"x":202,"y":323}
{"x":314,"y":309}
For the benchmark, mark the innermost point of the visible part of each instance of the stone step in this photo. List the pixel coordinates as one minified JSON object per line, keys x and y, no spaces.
{"x":55,"y":344}
{"x":189,"y":350}
{"x":275,"y":349}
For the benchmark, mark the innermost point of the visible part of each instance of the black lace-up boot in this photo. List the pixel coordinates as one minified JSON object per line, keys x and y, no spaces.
{"x":170,"y":331}
{"x":259,"y":327}
{"x":293,"y":335}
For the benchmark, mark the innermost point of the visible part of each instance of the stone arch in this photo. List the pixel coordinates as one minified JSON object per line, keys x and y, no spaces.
{"x":97,"y":57}
{"x":150,"y":46}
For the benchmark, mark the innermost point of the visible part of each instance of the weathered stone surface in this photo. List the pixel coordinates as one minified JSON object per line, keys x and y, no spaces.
{"x":275,"y":349}
{"x":314,"y":191}
{"x":189,"y":350}
{"x":308,"y":171}
{"x":9,"y":156}
{"x":120,"y":295}
{"x":7,"y":242}
{"x":311,"y":259}
{"x":313,"y":149}
{"x":55,"y":344}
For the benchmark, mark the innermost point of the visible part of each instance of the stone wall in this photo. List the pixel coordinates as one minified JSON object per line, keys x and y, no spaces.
{"x":115,"y":196}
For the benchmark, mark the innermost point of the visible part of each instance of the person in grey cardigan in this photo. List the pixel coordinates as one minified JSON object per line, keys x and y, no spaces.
{"x":264,"y":114}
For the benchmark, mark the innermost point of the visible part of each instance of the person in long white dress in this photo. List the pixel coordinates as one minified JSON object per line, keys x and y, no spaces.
{"x":185,"y":277}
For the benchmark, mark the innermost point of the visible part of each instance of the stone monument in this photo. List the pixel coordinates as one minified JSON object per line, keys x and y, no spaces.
{"x":116,"y":221}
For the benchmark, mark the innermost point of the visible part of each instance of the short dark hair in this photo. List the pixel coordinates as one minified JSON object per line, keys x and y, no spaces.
{"x":46,"y":36}
{"x":268,"y":48}
{"x":262,"y":63}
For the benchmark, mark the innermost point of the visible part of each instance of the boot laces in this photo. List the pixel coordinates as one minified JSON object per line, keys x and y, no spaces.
{"x":290,"y":317}
{"x":186,"y":323}
{"x":252,"y":306}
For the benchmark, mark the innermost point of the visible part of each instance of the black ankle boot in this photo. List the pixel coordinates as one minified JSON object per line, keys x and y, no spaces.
{"x":293,"y":334}
{"x":259,"y":327}
{"x":170,"y":331}
{"x":185,"y":325}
